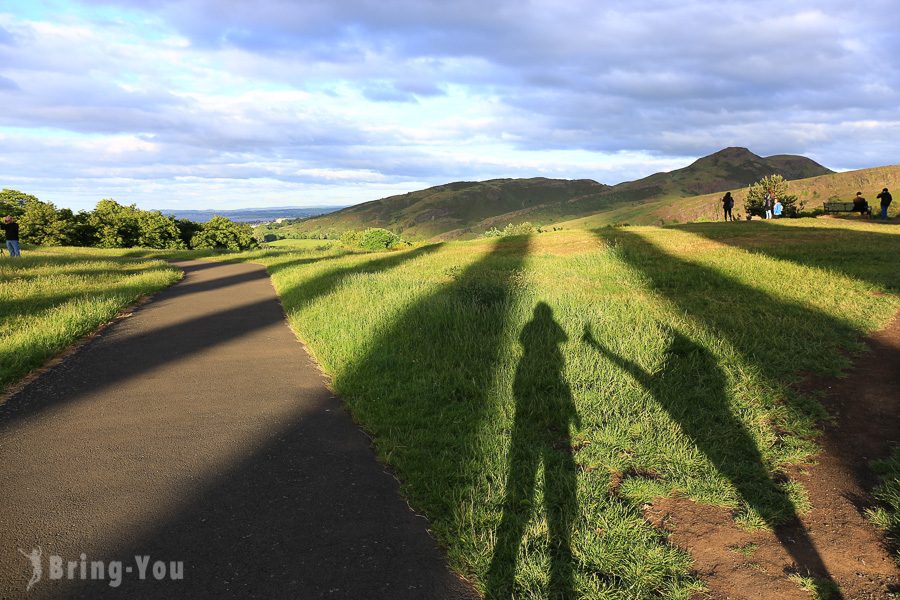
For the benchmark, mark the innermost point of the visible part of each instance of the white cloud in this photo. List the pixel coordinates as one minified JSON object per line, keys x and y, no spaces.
{"x":324,"y":99}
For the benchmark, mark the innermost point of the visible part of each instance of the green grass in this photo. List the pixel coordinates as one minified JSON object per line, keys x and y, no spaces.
{"x":507,"y":380}
{"x":819,"y":589}
{"x":51,"y":297}
{"x":303,"y":244}
{"x":747,"y":550}
{"x":887,"y":514}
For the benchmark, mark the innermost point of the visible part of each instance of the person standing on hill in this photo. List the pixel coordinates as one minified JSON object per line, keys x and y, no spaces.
{"x":768,"y":204}
{"x":777,"y":209}
{"x":727,"y":205}
{"x":886,"y":199}
{"x":11,"y":230}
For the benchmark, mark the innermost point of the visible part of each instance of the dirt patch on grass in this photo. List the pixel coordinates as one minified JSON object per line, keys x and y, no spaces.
{"x":831,"y":548}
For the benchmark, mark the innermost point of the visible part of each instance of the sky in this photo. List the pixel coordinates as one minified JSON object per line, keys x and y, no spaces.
{"x":234,"y":104}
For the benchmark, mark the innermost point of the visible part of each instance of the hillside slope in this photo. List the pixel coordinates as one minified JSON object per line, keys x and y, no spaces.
{"x":430,"y":212}
{"x":467,"y":209}
{"x":813,"y":191}
{"x":722,"y":170}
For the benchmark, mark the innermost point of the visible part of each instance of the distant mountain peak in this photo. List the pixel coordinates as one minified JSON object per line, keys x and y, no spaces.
{"x":733,"y":154}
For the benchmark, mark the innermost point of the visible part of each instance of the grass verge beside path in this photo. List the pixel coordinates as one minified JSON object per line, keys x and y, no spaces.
{"x":887,"y":515}
{"x":533,"y":393}
{"x":51,"y":297}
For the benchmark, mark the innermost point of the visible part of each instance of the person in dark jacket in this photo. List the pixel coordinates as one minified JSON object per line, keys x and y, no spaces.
{"x":11,"y":230}
{"x":727,"y":205}
{"x":885,"y":197}
{"x":860,"y":204}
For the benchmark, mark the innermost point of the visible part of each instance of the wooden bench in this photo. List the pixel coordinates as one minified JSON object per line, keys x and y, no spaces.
{"x":834,"y":206}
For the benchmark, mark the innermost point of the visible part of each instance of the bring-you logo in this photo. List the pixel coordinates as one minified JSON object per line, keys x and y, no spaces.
{"x":114,"y":572}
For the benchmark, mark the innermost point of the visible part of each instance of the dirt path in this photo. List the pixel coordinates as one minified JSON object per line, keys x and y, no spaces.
{"x":739,"y":564}
{"x":198,"y":430}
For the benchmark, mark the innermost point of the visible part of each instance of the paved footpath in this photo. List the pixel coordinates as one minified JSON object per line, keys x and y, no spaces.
{"x":198,"y":430}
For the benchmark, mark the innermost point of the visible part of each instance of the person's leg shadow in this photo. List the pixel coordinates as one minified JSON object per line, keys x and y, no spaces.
{"x":544,"y":411}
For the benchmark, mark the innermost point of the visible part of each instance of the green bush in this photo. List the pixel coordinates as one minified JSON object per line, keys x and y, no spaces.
{"x":372,"y":239}
{"x":224,"y":234}
{"x":525,"y":228}
{"x":376,"y":238}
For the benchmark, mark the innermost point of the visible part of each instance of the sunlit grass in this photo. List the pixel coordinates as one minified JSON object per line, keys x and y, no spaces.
{"x":305,"y":244}
{"x":670,"y":356}
{"x":887,"y":514}
{"x":50,"y":298}
{"x":679,"y":354}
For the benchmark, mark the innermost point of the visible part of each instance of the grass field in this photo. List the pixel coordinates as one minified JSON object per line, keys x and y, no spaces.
{"x":302,"y":244}
{"x":533,"y":393}
{"x":51,"y":297}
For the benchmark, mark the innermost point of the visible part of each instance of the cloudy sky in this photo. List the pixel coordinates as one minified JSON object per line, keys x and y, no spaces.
{"x":226,"y":103}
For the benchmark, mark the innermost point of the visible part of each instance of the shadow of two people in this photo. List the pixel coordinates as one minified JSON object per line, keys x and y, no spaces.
{"x":691,"y":388}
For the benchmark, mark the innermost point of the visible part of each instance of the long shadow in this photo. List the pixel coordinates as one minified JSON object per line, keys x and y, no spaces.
{"x":217,"y":283}
{"x":866,"y":255}
{"x":308,"y":516}
{"x":121,"y":358}
{"x":423,"y":386}
{"x":758,"y":326}
{"x":308,"y":291}
{"x":544,"y":411}
{"x":34,"y":305}
{"x":692,"y":390}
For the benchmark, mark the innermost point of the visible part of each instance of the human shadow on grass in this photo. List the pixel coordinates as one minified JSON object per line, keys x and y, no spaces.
{"x":102,"y":364}
{"x":692,"y":389}
{"x":310,"y":514}
{"x":865,"y":255}
{"x":807,"y":340}
{"x":739,"y":314}
{"x":544,"y":412}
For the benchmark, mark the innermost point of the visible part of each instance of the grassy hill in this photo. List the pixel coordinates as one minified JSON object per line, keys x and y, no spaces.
{"x":813,"y":191}
{"x":427,"y":213}
{"x":466,"y":209}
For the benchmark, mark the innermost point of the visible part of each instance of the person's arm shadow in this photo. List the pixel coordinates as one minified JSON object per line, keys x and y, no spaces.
{"x":642,"y":376}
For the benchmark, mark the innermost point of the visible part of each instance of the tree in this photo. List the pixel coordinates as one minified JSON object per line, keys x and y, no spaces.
{"x":156,"y":230}
{"x":116,"y":225}
{"x":12,"y":202}
{"x":224,"y":234}
{"x":77,"y":230}
{"x":187,"y":229}
{"x":40,"y":224}
{"x":778,"y":187}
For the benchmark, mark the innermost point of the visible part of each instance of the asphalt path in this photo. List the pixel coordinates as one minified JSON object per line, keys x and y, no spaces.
{"x":198,"y":432}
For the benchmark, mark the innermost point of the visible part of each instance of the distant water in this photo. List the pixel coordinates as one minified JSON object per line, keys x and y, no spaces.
{"x":252,"y":215}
